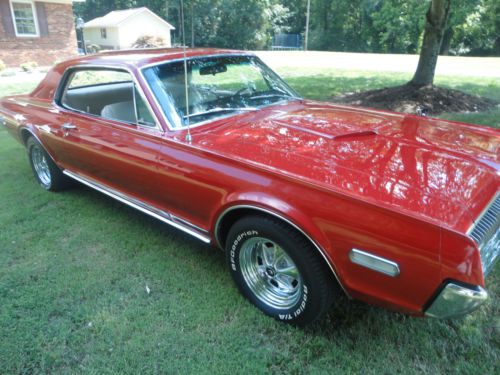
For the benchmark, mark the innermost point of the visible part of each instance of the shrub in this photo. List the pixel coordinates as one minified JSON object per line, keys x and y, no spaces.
{"x":149,"y":41}
{"x":93,"y":48}
{"x":28,"y":66}
{"x":2,"y":65}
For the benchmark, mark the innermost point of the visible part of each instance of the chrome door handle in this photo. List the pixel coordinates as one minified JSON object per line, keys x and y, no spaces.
{"x":68,"y":126}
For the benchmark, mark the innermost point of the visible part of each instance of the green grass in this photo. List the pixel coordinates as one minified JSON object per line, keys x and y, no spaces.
{"x":74,"y":268}
{"x":16,"y":88}
{"x":322,"y":84}
{"x":73,"y":271}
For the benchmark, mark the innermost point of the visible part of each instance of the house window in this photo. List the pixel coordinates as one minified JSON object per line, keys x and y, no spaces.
{"x":104,"y":34}
{"x":24,"y":16}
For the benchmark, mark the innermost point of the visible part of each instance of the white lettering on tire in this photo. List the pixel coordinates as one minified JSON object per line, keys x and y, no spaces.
{"x":303,"y":303}
{"x":235,"y":244}
{"x":300,"y":309}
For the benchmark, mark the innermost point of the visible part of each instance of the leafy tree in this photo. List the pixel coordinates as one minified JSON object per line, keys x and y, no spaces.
{"x":392,"y":26}
{"x":296,"y":15}
{"x":477,"y":29}
{"x":397,"y":25}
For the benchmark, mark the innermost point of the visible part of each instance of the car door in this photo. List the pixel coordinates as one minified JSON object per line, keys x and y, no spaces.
{"x":107,"y":133}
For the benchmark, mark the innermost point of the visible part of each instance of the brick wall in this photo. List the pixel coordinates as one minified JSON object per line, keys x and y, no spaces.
{"x":59,"y":44}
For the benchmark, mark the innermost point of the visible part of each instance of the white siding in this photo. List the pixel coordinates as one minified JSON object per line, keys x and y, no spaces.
{"x":93,"y":36}
{"x":142,"y":24}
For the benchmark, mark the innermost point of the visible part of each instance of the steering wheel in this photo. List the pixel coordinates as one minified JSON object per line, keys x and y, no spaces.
{"x":250,"y":90}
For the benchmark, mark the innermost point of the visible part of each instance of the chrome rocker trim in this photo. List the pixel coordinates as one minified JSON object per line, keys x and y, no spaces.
{"x":456,"y":300}
{"x":374,"y":262}
{"x":163,"y":216}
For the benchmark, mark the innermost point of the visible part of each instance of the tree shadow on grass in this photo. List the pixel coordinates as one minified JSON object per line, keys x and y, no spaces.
{"x":325,"y":86}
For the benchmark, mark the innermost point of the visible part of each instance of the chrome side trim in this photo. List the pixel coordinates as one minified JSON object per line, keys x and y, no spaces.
{"x":374,"y":262}
{"x":455,"y":300}
{"x":187,"y":223}
{"x":145,"y":208}
{"x":256,"y":208}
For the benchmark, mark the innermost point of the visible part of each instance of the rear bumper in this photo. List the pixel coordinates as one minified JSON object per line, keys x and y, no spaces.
{"x":455,"y":300}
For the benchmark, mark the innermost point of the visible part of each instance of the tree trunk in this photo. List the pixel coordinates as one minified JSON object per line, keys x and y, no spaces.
{"x":446,"y":43}
{"x":496,"y":46}
{"x":437,"y":16}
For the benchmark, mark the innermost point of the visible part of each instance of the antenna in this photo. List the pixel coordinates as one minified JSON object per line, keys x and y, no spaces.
{"x":189,"y":139}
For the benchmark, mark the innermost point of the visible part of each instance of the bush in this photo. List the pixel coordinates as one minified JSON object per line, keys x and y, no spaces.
{"x":93,"y":48}
{"x":149,"y":41}
{"x":28,"y":66}
{"x":2,"y":65}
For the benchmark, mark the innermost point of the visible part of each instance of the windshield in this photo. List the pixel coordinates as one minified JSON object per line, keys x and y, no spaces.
{"x":217,"y":86}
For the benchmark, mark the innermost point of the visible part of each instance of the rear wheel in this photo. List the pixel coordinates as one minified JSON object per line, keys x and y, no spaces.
{"x":47,"y":173}
{"x":279,"y":271}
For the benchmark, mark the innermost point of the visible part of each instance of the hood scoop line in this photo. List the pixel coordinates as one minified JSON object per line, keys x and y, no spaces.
{"x":363,"y":133}
{"x":366,"y":133}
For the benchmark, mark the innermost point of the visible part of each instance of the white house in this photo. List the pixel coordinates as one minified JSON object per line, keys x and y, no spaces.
{"x":121,"y":28}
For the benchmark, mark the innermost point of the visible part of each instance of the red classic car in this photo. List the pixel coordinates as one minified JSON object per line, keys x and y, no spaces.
{"x":308,"y":199}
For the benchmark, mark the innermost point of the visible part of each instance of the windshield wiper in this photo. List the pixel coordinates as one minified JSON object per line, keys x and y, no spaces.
{"x":219,"y":110}
{"x":265,"y":96}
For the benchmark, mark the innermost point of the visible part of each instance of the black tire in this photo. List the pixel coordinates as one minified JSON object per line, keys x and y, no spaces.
{"x":297,"y":300}
{"x":46,"y":172}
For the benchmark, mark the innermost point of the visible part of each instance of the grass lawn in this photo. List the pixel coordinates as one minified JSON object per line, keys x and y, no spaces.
{"x":323,"y":83}
{"x":74,"y":267}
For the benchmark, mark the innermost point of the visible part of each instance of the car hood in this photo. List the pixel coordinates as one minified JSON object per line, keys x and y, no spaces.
{"x":442,"y":171}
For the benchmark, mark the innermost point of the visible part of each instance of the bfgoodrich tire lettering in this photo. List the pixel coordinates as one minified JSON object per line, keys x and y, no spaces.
{"x":279,"y":271}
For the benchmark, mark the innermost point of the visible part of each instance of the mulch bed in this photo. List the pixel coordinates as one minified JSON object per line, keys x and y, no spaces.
{"x":408,"y":98}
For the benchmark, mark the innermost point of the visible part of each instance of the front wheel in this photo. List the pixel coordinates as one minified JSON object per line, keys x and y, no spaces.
{"x":279,"y":271}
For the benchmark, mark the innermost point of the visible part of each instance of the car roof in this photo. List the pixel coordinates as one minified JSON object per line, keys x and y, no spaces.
{"x":139,"y":58}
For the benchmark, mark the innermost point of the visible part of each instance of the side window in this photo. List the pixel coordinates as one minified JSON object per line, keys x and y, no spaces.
{"x":144,"y":116}
{"x":110,"y":94}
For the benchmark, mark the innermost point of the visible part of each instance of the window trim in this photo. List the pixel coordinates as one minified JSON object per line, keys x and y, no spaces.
{"x":63,"y":84}
{"x":35,"y":18}
{"x":104,"y":33}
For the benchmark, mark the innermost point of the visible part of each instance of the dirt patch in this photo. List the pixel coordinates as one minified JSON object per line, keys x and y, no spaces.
{"x":408,"y":98}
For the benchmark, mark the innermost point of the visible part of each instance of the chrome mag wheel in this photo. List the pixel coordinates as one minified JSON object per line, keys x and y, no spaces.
{"x":41,"y":166}
{"x":270,"y":273}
